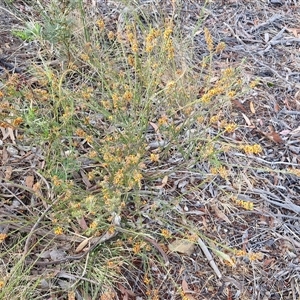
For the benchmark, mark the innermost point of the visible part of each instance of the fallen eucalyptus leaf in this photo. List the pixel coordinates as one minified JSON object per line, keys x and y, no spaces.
{"x":182,"y":246}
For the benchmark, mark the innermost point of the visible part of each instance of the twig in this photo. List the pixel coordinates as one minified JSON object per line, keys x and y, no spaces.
{"x":9,"y":12}
{"x":289,"y":206}
{"x":209,"y":258}
{"x":268,"y":22}
{"x":159,"y":248}
{"x":285,"y":41}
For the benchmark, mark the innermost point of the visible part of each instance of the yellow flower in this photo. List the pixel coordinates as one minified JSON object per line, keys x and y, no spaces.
{"x":132,"y":159}
{"x":222,"y":171}
{"x":100,"y":23}
{"x":80,"y":132}
{"x":93,"y":225}
{"x":136,"y":248}
{"x":56,"y":181}
{"x":162,"y":120}
{"x":89,"y":138}
{"x":130,"y":37}
{"x":200,"y":119}
{"x":150,"y":41}
{"x":135,"y":47}
{"x":240,"y":252}
{"x":208,"y":39}
{"x":131,"y":60}
{"x":93,"y":154}
{"x":127,"y":96}
{"x":3,"y":236}
{"x":146,"y":280}
{"x":16,"y":122}
{"x":257,"y":149}
{"x":58,"y":231}
{"x":169,"y":47}
{"x":214,"y":170}
{"x":115,"y":99}
{"x":253,"y":84}
{"x":294,"y":171}
{"x":167,"y":33}
{"x":231,"y":127}
{"x":166,"y":233}
{"x":111,"y":35}
{"x":255,"y":256}
{"x":220,"y":47}
{"x":149,"y":47}
{"x":227,"y":73}
{"x":170,"y":85}
{"x":137,"y":176}
{"x":214,"y":119}
{"x":119,"y":176}
{"x":154,"y":157}
{"x":206,"y":98}
{"x":231,"y":94}
{"x":254,"y":149}
{"x":84,"y":57}
{"x":2,"y":283}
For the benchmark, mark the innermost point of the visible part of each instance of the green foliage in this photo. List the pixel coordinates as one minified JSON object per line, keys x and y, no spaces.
{"x":31,"y":32}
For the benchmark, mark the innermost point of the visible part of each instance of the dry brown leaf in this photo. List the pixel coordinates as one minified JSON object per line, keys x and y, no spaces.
{"x":124,"y":291}
{"x":252,"y":107}
{"x":4,"y":156}
{"x":8,"y":172}
{"x":182,"y":246}
{"x":155,"y":127}
{"x":274,"y":136}
{"x":71,"y":295}
{"x":109,"y":295}
{"x":11,"y":135}
{"x":82,"y":223}
{"x":214,"y":79}
{"x":185,"y":286}
{"x":276,"y":107}
{"x":204,"y":222}
{"x":164,"y":182}
{"x":29,"y":181}
{"x":239,"y":105}
{"x":268,"y":262}
{"x":82,"y":245}
{"x":247,"y":120}
{"x":220,"y":214}
{"x":286,"y":102}
{"x":295,"y":131}
{"x":294,"y":31}
{"x":187,"y":292}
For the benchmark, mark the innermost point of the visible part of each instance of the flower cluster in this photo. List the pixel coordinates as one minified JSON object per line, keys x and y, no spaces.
{"x":251,"y":149}
{"x":222,"y":171}
{"x":151,"y":40}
